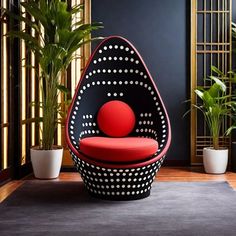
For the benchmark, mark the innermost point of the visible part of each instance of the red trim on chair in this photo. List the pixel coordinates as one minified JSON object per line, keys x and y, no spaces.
{"x":116,"y":165}
{"x":167,"y":118}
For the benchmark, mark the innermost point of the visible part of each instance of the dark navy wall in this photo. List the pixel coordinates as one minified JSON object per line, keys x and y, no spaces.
{"x":159,"y":30}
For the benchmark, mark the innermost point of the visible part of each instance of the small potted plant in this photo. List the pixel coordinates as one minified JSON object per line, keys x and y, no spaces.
{"x":59,"y":37}
{"x":215,"y":105}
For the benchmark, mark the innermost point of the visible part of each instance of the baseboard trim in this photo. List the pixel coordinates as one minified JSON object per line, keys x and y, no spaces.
{"x":68,"y":169}
{"x":176,"y":163}
{"x":24,"y":170}
{"x":5,"y":175}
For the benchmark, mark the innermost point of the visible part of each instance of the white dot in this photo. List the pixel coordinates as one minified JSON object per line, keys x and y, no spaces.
{"x":116,"y":46}
{"x":120,"y":71}
{"x":114,"y":71}
{"x":131,"y":70}
{"x":109,"y":58}
{"x":98,"y":71}
{"x":100,"y":51}
{"x":136,"y":62}
{"x":132,"y":52}
{"x":94,"y":61}
{"x":104,"y":58}
{"x":131,"y":59}
{"x":121,"y":94}
{"x":105,"y":48}
{"x":126,"y":49}
{"x":121,"y":47}
{"x":110,"y":46}
{"x":126,"y":58}
{"x":120,"y":58}
{"x":99,"y":59}
{"x":115,"y":58}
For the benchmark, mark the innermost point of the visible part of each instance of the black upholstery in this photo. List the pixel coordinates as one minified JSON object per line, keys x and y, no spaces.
{"x":117,"y":72}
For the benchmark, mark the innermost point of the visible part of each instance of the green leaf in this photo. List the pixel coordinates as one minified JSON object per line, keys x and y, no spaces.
{"x":199,"y":93}
{"x":29,"y":40}
{"x":219,"y":82}
{"x":34,"y":10}
{"x":63,"y":89}
{"x":216,"y":70}
{"x":230,"y":129}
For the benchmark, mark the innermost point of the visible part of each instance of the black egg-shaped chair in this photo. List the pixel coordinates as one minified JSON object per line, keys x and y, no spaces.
{"x":117,"y":128}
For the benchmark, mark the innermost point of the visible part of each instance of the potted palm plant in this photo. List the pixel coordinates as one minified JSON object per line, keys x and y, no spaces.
{"x":54,"y":48}
{"x":215,"y":106}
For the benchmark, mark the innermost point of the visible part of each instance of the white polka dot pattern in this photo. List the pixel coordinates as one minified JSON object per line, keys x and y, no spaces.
{"x":116,"y":71}
{"x":117,"y":183}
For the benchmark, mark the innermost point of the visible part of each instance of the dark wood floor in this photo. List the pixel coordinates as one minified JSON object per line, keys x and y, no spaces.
{"x":175,"y":174}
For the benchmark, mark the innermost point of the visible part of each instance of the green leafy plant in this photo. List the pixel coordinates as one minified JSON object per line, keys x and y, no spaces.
{"x":215,"y":104}
{"x":58,"y":38}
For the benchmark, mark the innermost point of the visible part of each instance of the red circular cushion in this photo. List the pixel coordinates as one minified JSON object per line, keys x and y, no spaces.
{"x":116,"y":119}
{"x":118,"y":149}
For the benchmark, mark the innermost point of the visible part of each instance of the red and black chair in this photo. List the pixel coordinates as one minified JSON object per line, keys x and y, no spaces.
{"x":117,"y":128}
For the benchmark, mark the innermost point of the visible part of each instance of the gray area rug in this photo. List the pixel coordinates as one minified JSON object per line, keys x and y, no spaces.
{"x":174,"y":208}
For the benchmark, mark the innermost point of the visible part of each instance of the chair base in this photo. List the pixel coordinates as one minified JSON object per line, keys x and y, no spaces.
{"x":117,"y":183}
{"x":121,"y":198}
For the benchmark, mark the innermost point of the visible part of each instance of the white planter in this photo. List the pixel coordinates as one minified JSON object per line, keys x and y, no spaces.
{"x":215,"y":161}
{"x":46,"y":163}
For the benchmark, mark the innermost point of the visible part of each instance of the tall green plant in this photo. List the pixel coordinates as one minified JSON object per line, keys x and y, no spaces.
{"x":215,"y":104}
{"x":59,"y":36}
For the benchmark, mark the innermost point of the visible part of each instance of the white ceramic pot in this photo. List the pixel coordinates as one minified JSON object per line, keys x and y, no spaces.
{"x":46,"y":163}
{"x":215,"y":161}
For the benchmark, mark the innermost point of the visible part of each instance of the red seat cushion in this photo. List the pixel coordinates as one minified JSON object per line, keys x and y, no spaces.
{"x":116,"y":119}
{"x":118,"y":149}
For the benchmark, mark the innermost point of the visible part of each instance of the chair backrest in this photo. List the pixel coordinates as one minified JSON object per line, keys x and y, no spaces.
{"x":116,"y":71}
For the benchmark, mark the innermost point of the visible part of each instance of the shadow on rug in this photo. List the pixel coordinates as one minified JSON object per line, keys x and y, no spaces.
{"x":174,"y":208}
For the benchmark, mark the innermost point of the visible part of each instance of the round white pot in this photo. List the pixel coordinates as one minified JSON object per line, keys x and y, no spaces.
{"x":46,"y":163}
{"x":215,"y":161}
